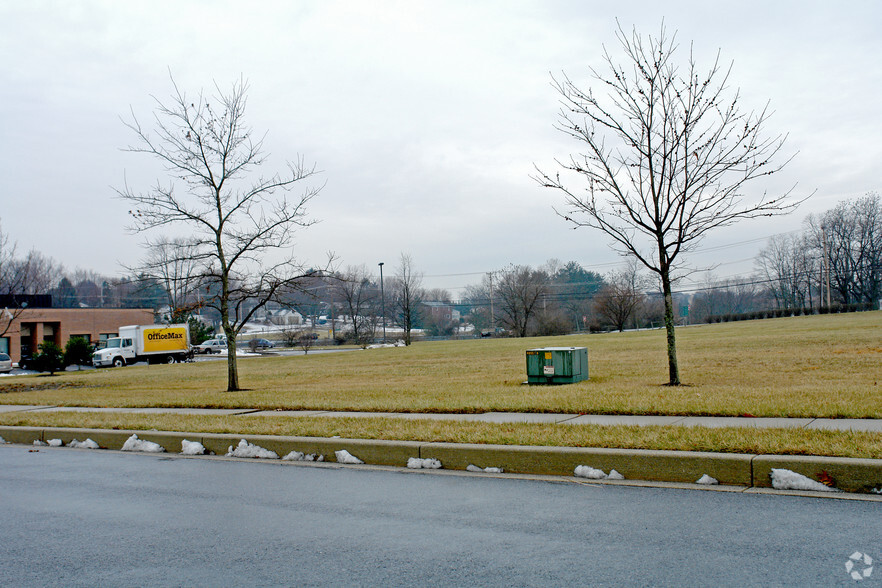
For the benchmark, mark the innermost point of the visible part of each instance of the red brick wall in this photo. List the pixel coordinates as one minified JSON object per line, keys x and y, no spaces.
{"x":71,"y":321}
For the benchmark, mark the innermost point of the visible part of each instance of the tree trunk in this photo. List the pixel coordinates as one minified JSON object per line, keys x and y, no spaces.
{"x":673,"y":368}
{"x":232,"y":367}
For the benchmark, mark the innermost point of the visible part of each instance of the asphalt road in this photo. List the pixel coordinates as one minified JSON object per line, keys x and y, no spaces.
{"x":100,"y":518}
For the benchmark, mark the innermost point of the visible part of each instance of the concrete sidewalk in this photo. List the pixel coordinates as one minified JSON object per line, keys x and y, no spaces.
{"x":740,"y":472}
{"x":865,"y":425}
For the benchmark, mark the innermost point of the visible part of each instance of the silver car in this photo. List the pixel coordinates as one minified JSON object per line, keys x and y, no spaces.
{"x":5,"y":363}
{"x":211,"y":346}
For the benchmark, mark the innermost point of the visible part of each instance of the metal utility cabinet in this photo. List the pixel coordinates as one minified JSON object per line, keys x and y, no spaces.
{"x":557,"y":365}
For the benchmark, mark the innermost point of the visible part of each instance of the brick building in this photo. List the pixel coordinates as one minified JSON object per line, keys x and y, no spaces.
{"x":32,"y":326}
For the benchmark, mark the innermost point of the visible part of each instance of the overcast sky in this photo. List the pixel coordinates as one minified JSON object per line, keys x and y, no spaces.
{"x":426,"y":118}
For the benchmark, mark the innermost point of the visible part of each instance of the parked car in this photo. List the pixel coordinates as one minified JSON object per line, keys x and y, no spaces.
{"x":26,"y":362}
{"x":5,"y":363}
{"x":211,"y":346}
{"x":260,"y":344}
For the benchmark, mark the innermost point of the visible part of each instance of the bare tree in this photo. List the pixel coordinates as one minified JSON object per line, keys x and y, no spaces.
{"x":235,"y":221}
{"x":21,"y":277}
{"x":850,"y":236}
{"x":621,"y":298}
{"x":520,"y":290}
{"x":791,"y":266}
{"x":358,"y":295}
{"x":407,"y":295}
{"x":173,"y":263}
{"x":668,"y":153}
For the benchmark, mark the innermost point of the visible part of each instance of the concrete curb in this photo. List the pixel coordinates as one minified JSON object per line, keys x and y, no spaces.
{"x":752,"y":471}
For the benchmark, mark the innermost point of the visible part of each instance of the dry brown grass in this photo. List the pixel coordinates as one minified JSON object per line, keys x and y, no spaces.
{"x":724,"y":440}
{"x":821,"y":366}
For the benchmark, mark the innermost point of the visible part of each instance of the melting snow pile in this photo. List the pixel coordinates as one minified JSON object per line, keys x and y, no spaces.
{"x":2,"y":440}
{"x":39,"y":443}
{"x":135,"y":444}
{"x":55,"y":443}
{"x":87,"y":444}
{"x":474,"y":468}
{"x":584,"y":471}
{"x":246,"y":449}
{"x":192,"y":448}
{"x":344,"y":456}
{"x":789,"y":480}
{"x":300,"y":456}
{"x":415,"y":463}
{"x":399,"y":343}
{"x":707,"y":480}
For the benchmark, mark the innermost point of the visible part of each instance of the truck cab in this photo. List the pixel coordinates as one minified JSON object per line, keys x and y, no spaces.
{"x":117,"y":352}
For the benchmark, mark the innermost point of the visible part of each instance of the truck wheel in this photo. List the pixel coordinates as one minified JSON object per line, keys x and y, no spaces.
{"x":169,"y":359}
{"x":118,"y":362}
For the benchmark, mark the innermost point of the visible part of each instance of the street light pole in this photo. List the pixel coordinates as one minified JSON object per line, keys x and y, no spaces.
{"x":383,"y":302}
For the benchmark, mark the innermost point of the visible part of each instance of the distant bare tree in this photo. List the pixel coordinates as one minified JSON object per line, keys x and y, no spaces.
{"x":358,"y":295}
{"x":622,"y":297}
{"x":791,"y":266}
{"x":173,"y":263}
{"x":519,"y":290}
{"x":21,"y":276}
{"x":235,"y":222}
{"x":852,"y":234}
{"x":407,"y":295}
{"x":668,"y":153}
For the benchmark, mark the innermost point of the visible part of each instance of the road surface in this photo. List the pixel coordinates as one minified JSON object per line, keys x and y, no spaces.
{"x":100,"y":518}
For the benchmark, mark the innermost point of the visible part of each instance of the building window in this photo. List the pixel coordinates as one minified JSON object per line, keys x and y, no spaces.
{"x":4,"y":345}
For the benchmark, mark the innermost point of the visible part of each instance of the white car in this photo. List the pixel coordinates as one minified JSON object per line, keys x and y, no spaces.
{"x":211,"y":346}
{"x":5,"y":364}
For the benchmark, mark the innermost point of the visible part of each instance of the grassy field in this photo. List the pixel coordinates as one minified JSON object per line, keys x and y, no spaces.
{"x":819,"y":366}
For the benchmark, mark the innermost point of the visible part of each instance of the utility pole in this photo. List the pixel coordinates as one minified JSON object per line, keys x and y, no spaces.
{"x":383,"y":302}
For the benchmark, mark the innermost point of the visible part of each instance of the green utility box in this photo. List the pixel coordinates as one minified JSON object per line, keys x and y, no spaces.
{"x":557,"y":365}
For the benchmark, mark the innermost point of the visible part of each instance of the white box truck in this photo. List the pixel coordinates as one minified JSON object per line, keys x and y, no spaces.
{"x":150,"y":343}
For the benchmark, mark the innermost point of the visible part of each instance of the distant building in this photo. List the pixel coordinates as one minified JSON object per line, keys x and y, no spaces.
{"x":32,"y":326}
{"x":441,"y":311}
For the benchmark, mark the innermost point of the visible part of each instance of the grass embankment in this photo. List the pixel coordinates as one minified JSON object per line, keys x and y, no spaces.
{"x":725,"y":440}
{"x":822,"y":366}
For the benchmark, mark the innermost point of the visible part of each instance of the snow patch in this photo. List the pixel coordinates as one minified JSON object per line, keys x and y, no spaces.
{"x":344,"y":456}
{"x":790,"y":480}
{"x":707,"y":480}
{"x":135,"y":444}
{"x":39,"y":443}
{"x":584,"y":471}
{"x":246,"y":449}
{"x":87,"y":444}
{"x":874,"y":490}
{"x":2,"y":441}
{"x":55,"y":443}
{"x":399,"y":343}
{"x":429,"y":463}
{"x":300,"y":456}
{"x":193,"y":448}
{"x":474,"y":468}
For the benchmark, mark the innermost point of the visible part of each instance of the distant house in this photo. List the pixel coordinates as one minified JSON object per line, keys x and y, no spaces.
{"x":285,"y":317}
{"x":441,"y":312}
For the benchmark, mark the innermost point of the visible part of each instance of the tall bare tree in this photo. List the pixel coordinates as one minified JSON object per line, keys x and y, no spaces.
{"x":235,"y":221}
{"x":407,"y":295}
{"x":668,"y":153}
